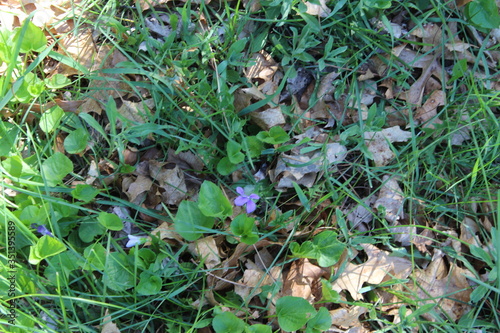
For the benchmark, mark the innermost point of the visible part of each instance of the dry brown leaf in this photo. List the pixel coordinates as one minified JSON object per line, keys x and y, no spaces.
{"x":171,"y":178}
{"x":348,"y":318}
{"x":164,"y":231}
{"x":109,"y":326}
{"x":136,"y":191}
{"x":378,"y":143}
{"x":391,"y":199}
{"x":430,"y":34}
{"x":268,"y":118}
{"x":253,"y":279}
{"x":137,"y":112}
{"x":320,"y":10}
{"x":447,"y":288}
{"x":415,"y":94}
{"x":361,"y":214}
{"x":206,"y":249}
{"x":429,"y":110}
{"x":264,"y":68}
{"x":78,"y":47}
{"x":305,"y":175}
{"x":468,"y":231}
{"x":303,"y":280}
{"x":186,"y":160}
{"x":252,"y":5}
{"x":378,"y":268}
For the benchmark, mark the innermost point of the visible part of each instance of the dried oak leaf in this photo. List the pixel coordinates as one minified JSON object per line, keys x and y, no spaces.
{"x":254,"y":278}
{"x":290,"y":169}
{"x":303,"y":280}
{"x":164,"y":231}
{"x":379,"y":267}
{"x":348,"y":318}
{"x":206,"y":249}
{"x":108,"y":325}
{"x":170,"y":179}
{"x":426,"y":114}
{"x":319,"y":9}
{"x":137,"y":112}
{"x":391,"y":199}
{"x":447,"y":288}
{"x":136,"y":190}
{"x":378,"y":143}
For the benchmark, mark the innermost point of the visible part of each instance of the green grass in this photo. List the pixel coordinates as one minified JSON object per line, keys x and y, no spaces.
{"x":193,"y":78}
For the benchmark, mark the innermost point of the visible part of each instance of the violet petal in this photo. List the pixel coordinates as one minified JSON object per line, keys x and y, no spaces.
{"x":240,"y":201}
{"x":240,"y":190}
{"x":251,"y":206}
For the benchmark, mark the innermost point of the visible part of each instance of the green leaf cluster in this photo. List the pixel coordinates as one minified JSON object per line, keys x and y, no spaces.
{"x":193,"y":219}
{"x":324,"y":247}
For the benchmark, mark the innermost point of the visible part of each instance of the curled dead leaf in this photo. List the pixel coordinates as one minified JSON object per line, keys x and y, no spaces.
{"x":379,"y":267}
{"x":378,"y":143}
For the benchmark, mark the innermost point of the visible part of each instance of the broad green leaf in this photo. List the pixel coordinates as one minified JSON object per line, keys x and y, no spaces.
{"x":45,"y":247}
{"x":480,"y":253}
{"x":6,"y":46}
{"x":234,"y":152}
{"x":321,"y":322}
{"x":304,"y":250}
{"x":227,"y":322}
{"x":76,"y":141}
{"x":479,"y":293}
{"x":118,"y":274}
{"x":35,"y":89}
{"x":89,"y":229}
{"x":24,"y":93}
{"x":55,"y":168}
{"x":84,"y":192}
{"x":16,"y":167}
{"x":225,"y":167}
{"x":61,"y":264}
{"x":254,"y":146}
{"x":276,"y":135}
{"x":110,"y":221}
{"x":95,"y":256}
{"x":8,"y":134}
{"x":149,"y":284}
{"x":459,"y":69}
{"x":33,"y":38}
{"x":189,"y":219}
{"x":483,"y":14}
{"x":242,"y":225}
{"x":293,"y":313}
{"x":57,"y":81}
{"x":212,"y":202}
{"x":329,"y":295}
{"x":249,"y":239}
{"x":378,"y":4}
{"x":34,"y":214}
{"x":328,"y":247}
{"x":259,"y":328}
{"x":51,"y":119}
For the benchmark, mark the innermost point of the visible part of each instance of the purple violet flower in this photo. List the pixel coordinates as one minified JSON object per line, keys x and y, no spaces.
{"x":42,"y":229}
{"x":243,"y":199}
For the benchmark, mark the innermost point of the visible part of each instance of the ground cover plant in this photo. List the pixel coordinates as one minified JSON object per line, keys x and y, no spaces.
{"x":249,"y":166}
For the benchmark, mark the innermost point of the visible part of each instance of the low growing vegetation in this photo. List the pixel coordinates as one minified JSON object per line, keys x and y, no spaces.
{"x":250,"y":166}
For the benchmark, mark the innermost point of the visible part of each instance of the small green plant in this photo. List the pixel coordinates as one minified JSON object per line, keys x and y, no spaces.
{"x":293,"y":314}
{"x":325,"y":248}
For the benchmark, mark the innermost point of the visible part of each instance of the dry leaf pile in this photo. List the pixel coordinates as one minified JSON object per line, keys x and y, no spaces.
{"x":262,"y":273}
